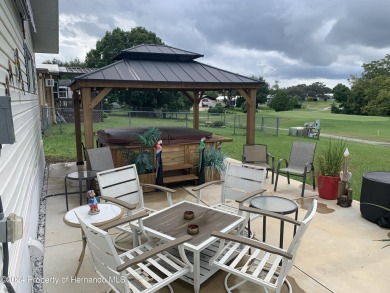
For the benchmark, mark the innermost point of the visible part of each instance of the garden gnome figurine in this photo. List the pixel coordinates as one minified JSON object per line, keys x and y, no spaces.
{"x":202,"y":146}
{"x":159,"y":168}
{"x":92,"y":202}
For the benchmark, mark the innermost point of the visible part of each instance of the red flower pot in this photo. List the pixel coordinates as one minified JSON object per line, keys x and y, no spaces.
{"x":328,"y":186}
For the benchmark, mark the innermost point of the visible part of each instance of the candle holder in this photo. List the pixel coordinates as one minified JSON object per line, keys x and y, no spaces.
{"x":188,"y":215}
{"x":192,"y":229}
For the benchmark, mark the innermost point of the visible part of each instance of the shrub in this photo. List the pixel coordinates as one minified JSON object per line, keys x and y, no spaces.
{"x":218,"y":123}
{"x":218,"y":109}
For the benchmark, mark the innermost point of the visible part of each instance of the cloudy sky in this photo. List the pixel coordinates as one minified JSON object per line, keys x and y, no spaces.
{"x":291,"y":41}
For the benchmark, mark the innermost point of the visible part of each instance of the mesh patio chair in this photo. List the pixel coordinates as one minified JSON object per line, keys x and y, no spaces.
{"x":145,"y":268}
{"x":258,"y":262}
{"x":300,"y":163}
{"x":100,"y":159}
{"x":258,"y":155}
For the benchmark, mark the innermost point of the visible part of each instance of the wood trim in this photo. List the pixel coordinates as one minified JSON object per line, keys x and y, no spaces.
{"x":118,"y":202}
{"x":179,"y":86}
{"x":252,"y":243}
{"x":128,"y":219}
{"x":249,"y":195}
{"x":103,"y":93}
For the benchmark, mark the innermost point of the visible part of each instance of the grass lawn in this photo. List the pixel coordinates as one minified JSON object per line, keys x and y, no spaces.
{"x":59,"y":140}
{"x":363,"y":127}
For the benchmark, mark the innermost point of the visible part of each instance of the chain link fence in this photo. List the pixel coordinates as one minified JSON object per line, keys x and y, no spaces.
{"x":234,"y":123}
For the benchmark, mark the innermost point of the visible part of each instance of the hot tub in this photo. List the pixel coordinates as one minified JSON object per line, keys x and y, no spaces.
{"x":180,"y":146}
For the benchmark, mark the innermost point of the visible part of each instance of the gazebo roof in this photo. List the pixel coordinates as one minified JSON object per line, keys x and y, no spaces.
{"x":163,"y":64}
{"x":156,"y":52}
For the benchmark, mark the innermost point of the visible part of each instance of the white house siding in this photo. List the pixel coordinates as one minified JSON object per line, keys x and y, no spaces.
{"x":22,"y":163}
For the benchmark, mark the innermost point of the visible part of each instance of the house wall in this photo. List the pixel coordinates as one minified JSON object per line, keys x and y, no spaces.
{"x":22,"y":163}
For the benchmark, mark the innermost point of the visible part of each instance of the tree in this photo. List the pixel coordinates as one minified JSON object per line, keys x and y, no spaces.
{"x":281,"y":101}
{"x":341,"y":93}
{"x":262,"y":91}
{"x":113,"y":42}
{"x":379,"y":90}
{"x":377,"y":68}
{"x":72,"y":63}
{"x":318,"y":90}
{"x":299,"y":90}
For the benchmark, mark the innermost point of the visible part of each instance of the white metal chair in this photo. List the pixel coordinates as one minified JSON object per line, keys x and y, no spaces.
{"x":300,"y":163}
{"x":241,"y":183}
{"x":258,"y":155}
{"x":258,"y":262}
{"x":123,"y":183}
{"x":146,"y":268}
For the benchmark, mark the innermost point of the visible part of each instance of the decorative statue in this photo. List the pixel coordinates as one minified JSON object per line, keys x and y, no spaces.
{"x":202,"y":146}
{"x":159,"y":168}
{"x":344,"y":198}
{"x":92,"y":202}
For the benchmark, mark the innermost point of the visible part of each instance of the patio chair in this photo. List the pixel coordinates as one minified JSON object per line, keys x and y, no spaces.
{"x":300,"y":163}
{"x":100,"y":159}
{"x":145,"y":268}
{"x":123,"y":183}
{"x":241,"y":183}
{"x":258,"y":262}
{"x":258,"y":155}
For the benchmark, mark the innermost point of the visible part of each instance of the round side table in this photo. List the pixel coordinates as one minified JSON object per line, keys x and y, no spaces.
{"x":108,"y":213}
{"x":278,"y":205}
{"x":80,"y":176}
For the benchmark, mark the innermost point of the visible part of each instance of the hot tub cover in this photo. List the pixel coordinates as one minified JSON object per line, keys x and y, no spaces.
{"x":169,"y":135}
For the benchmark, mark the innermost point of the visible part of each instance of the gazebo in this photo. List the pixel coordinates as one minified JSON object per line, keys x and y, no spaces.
{"x":157,"y":67}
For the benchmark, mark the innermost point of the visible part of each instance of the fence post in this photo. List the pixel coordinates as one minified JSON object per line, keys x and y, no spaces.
{"x":186,"y":119}
{"x":234,"y":124}
{"x":262,"y":123}
{"x":277,"y":125}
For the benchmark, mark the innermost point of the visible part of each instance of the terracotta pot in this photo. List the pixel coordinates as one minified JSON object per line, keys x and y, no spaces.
{"x":328,"y":186}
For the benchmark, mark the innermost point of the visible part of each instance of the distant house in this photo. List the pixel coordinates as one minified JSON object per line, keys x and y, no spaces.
{"x":27,"y":27}
{"x":269,"y":98}
{"x":55,"y":94}
{"x":224,"y":99}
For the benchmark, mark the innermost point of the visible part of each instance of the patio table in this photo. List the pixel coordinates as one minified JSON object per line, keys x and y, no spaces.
{"x":276,"y":204}
{"x":169,"y":224}
{"x":80,"y":176}
{"x":108,"y":213}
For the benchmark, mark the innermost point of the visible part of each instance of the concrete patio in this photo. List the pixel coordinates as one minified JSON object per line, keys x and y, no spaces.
{"x":338,"y":252}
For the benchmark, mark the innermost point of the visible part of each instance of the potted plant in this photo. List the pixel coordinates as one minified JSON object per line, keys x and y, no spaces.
{"x":143,"y":157}
{"x":214,"y":163}
{"x":329,"y":163}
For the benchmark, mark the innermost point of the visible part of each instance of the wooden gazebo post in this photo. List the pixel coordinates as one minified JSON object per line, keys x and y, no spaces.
{"x":88,"y":121}
{"x":195,"y":110}
{"x":77,"y":127}
{"x":250,"y":98}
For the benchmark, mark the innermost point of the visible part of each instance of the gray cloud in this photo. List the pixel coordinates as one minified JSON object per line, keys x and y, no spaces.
{"x":285,"y":40}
